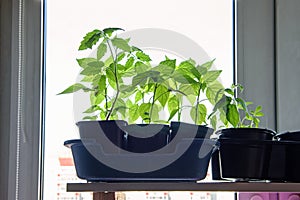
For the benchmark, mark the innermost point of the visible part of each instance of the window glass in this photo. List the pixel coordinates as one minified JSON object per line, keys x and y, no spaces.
{"x":208,"y":25}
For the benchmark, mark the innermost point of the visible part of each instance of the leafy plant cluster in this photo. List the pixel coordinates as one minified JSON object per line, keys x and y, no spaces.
{"x":233,"y":111}
{"x":123,"y":83}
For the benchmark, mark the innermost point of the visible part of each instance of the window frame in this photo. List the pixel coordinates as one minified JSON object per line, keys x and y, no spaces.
{"x":21,"y":47}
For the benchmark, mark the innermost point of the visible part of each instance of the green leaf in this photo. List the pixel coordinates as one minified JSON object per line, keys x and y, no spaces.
{"x":242,"y":103}
{"x":229,"y":91}
{"x":92,"y":109}
{"x":173,"y":104}
{"x":191,"y":98}
{"x":142,"y":56}
{"x":259,"y":114}
{"x":144,"y":110}
{"x":168,"y":63}
{"x":90,"y":117}
{"x":162,"y":95}
{"x":127,"y":88}
{"x":198,"y":115}
{"x":120,"y":56}
{"x":129,"y":103}
{"x":83,"y":62}
{"x":102,"y":115}
{"x":208,"y":64}
{"x":256,"y":122}
{"x":188,"y":68}
{"x":238,"y":86}
{"x":166,"y":67}
{"x":193,"y":62}
{"x":172,"y":114}
{"x":133,"y":113}
{"x":120,"y":107}
{"x":213,"y":122}
{"x":232,"y":115}
{"x":73,"y":88}
{"x":187,"y":89}
{"x":93,"y":68}
{"x":109,"y":31}
{"x":214,"y":92}
{"x":102,"y":83}
{"x":202,"y":70}
{"x":88,"y":79}
{"x":155,"y":113}
{"x":90,"y":39}
{"x":111,"y":78}
{"x":258,"y":109}
{"x":222,"y":103}
{"x":99,"y":99}
{"x":138,"y":96}
{"x":134,"y":48}
{"x":211,"y":76}
{"x":101,"y":51}
{"x":129,"y":63}
{"x":181,"y":77}
{"x":109,"y":61}
{"x":121,"y":44}
{"x":142,"y":78}
{"x":141,"y":67}
{"x":223,"y":118}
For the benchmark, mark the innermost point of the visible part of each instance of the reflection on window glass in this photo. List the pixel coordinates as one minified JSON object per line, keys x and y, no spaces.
{"x":209,"y":24}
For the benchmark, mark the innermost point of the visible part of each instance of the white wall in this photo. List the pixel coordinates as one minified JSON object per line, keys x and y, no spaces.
{"x":288,"y":64}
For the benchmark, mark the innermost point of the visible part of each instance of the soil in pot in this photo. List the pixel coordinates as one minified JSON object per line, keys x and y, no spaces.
{"x":145,"y":138}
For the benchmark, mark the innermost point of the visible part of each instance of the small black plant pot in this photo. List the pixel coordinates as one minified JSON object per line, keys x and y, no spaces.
{"x":145,"y":138}
{"x":188,"y":162}
{"x":187,"y":130}
{"x":290,"y":141}
{"x":110,"y":133}
{"x":244,"y":153}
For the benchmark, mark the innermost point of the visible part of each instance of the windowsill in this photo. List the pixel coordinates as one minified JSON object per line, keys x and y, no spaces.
{"x":185,"y":186}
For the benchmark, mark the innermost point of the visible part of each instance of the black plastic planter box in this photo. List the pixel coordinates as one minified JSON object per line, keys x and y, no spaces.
{"x":191,"y":163}
{"x":144,"y":138}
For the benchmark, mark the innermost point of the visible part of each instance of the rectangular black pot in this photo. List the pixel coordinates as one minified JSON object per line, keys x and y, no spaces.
{"x":191,"y":163}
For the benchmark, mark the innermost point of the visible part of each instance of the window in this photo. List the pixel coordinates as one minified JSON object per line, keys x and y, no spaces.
{"x":203,"y":30}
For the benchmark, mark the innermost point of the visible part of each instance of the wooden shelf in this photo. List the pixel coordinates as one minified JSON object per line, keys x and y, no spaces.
{"x":185,"y":186}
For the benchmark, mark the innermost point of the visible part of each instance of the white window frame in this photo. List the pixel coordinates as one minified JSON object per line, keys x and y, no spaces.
{"x":255,"y":55}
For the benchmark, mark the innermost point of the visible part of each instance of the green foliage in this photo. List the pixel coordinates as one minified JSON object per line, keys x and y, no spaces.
{"x":234,"y":111}
{"x":114,"y":60}
{"x":123,"y":84}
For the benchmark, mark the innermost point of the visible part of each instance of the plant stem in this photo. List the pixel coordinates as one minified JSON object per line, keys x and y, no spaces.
{"x":106,"y":101}
{"x":152,"y":104}
{"x":197,"y":102}
{"x":116,"y":78}
{"x":179,"y":112}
